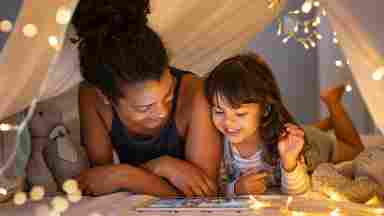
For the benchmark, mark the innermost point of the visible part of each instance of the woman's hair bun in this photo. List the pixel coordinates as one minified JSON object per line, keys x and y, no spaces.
{"x":106,"y":19}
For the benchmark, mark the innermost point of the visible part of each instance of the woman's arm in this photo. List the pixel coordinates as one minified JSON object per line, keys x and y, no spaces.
{"x":106,"y":177}
{"x":203,"y":144}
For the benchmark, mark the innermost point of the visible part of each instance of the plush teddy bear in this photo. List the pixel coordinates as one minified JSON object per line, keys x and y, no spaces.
{"x":55,"y":158}
{"x":358,"y":180}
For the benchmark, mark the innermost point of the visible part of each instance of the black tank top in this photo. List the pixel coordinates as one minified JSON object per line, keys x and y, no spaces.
{"x":138,"y":150}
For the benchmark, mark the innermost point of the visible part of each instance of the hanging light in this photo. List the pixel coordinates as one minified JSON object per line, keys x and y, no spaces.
{"x":63,"y":15}
{"x":348,"y":88}
{"x":378,"y":74}
{"x":30,"y":30}
{"x":7,"y":127}
{"x":3,"y":191}
{"x":6,"y":26}
{"x":339,"y":63}
{"x":335,"y":40}
{"x":335,"y":212}
{"x":324,"y":12}
{"x":307,"y":6}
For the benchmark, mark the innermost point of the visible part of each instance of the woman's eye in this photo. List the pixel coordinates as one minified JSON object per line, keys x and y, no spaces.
{"x":169,"y":98}
{"x":241,"y":114}
{"x":217,"y":111}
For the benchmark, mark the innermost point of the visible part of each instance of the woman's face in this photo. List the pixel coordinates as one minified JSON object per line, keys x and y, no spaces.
{"x":148,"y":104}
{"x":237,"y":124}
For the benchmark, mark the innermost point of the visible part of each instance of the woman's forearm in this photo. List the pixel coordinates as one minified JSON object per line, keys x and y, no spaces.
{"x":139,"y":180}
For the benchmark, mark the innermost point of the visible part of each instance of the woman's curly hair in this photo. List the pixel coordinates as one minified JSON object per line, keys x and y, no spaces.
{"x":116,"y":46}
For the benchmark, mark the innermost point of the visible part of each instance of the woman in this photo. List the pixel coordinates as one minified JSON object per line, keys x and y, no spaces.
{"x":154,"y":116}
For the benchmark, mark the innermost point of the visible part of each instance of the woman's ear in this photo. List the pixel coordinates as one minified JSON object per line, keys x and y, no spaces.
{"x":102,"y":96}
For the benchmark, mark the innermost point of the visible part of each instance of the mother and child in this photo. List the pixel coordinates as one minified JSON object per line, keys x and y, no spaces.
{"x":178,"y":134}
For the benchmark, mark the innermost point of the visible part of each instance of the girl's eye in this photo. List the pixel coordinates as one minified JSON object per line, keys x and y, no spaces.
{"x":144,"y":108}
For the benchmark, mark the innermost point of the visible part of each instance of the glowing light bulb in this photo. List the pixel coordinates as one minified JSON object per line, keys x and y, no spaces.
{"x":378,"y":74}
{"x":3,"y":191}
{"x":37,"y":193}
{"x":297,"y":213}
{"x":339,"y":63}
{"x":70,"y":186}
{"x":319,"y":36}
{"x":335,"y":40}
{"x":306,"y":30}
{"x":63,"y":15}
{"x":307,"y":6}
{"x":348,"y":88}
{"x":74,"y":197}
{"x":20,"y":198}
{"x":30,"y":30}
{"x":313,"y":44}
{"x":335,"y":212}
{"x":7,"y":127}
{"x":59,"y":204}
{"x":296,"y":29}
{"x":285,"y":40}
{"x":289,"y":200}
{"x":324,"y":12}
{"x":53,"y":41}
{"x":256,"y":204}
{"x":6,"y":26}
{"x":296,"y":12}
{"x":316,"y":4}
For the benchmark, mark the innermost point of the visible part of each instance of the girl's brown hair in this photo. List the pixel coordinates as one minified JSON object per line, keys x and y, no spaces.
{"x":246,"y":78}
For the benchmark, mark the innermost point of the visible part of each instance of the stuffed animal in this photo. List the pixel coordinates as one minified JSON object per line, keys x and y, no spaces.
{"x":358,"y":180}
{"x":55,"y":158}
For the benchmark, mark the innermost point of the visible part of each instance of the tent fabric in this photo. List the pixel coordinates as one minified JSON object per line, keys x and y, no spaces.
{"x":198,"y":34}
{"x":359,"y":28}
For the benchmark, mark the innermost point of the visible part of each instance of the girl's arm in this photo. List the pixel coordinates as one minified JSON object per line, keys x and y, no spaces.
{"x":295,"y":178}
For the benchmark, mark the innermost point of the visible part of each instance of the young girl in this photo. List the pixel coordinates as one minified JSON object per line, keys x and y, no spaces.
{"x":263,"y":145}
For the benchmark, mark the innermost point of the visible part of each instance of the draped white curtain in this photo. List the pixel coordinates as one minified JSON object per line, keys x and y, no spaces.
{"x":198,"y":34}
{"x":360,"y":29}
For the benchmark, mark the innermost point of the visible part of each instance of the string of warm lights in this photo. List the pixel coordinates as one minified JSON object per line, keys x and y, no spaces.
{"x":297,"y":26}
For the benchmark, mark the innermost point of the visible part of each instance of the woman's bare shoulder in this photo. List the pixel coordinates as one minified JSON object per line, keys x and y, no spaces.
{"x":90,"y":99}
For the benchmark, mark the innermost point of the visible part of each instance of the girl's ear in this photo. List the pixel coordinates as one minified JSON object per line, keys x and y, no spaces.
{"x":102,"y":96}
{"x":267,"y":110}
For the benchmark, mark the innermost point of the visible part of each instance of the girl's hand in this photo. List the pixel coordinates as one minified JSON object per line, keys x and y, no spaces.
{"x":183,"y":175}
{"x":99,"y":180}
{"x":290,"y":145}
{"x":252,"y":183}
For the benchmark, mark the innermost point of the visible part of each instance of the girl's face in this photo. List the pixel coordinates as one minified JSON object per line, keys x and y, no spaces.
{"x":237,"y":124}
{"x":148,"y":104}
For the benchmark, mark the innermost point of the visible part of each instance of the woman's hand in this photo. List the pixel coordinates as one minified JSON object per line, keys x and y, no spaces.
{"x":252,"y":183}
{"x":99,"y":180}
{"x":290,"y":146}
{"x":183,"y":175}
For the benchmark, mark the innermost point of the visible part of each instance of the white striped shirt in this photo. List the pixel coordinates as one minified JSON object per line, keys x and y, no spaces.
{"x":295,"y":182}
